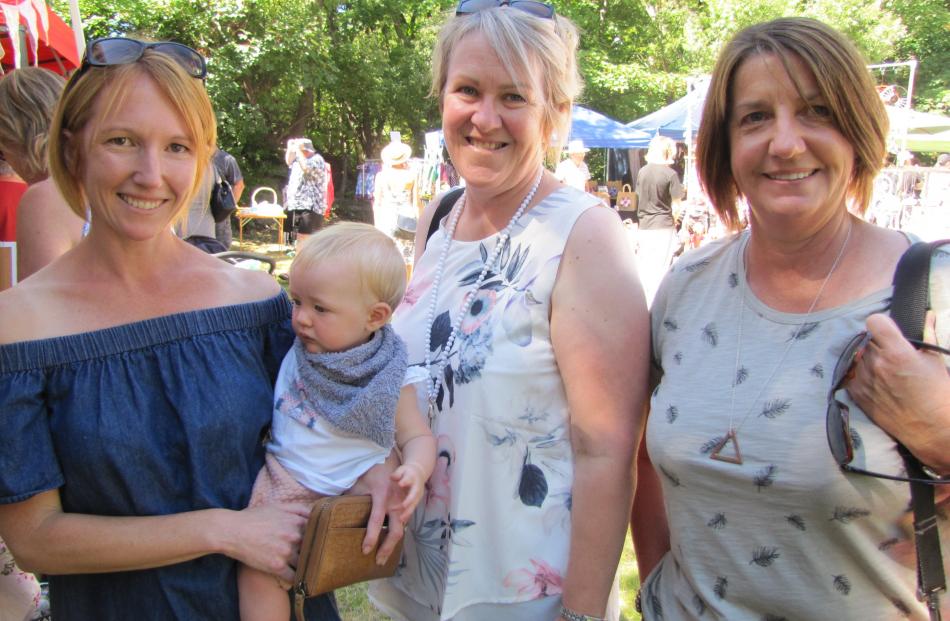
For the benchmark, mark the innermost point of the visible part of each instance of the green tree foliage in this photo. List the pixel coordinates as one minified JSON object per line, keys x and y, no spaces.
{"x":638,"y":55}
{"x":346,"y":73}
{"x":343,"y":74}
{"x":928,"y":40}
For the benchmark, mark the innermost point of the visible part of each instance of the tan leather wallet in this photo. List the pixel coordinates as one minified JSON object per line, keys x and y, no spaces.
{"x":331,"y":554}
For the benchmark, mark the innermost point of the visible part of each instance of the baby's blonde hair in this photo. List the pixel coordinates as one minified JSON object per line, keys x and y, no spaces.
{"x":379,"y":263}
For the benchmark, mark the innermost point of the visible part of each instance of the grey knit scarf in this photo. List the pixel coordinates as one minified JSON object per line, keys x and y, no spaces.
{"x":356,"y":390}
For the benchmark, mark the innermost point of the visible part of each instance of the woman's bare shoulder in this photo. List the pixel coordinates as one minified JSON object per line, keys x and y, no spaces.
{"x":881,"y":248}
{"x":46,"y":196}
{"x":24,"y":310}
{"x":44,"y":213}
{"x":241,"y":286}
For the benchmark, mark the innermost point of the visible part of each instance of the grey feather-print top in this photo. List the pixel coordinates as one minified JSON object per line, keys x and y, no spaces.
{"x":786,"y":534}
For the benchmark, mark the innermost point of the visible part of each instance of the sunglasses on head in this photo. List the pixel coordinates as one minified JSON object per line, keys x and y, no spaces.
{"x":838,"y":416}
{"x":110,"y":51}
{"x":538,"y":9}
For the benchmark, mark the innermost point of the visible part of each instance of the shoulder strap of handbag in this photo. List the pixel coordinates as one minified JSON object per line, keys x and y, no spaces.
{"x":445,"y":206}
{"x":909,"y":307}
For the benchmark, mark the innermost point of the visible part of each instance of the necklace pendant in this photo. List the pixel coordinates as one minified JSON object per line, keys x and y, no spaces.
{"x":735,"y":457}
{"x":431,"y":413}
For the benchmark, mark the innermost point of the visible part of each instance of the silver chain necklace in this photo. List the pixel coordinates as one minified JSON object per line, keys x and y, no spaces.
{"x":436,"y":380}
{"x":731,"y":439}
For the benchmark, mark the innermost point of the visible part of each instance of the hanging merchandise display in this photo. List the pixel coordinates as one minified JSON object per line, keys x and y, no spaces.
{"x":430,"y":177}
{"x":366,"y":178}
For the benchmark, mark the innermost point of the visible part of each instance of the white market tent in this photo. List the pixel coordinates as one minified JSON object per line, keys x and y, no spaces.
{"x":924,"y":131}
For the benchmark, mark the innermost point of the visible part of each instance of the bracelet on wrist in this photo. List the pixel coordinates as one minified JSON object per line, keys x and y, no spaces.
{"x":573,"y":615}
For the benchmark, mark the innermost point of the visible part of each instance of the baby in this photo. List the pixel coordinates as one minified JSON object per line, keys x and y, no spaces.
{"x":344,"y":392}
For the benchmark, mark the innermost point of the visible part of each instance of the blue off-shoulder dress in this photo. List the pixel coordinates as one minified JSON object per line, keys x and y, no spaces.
{"x":151,"y":418}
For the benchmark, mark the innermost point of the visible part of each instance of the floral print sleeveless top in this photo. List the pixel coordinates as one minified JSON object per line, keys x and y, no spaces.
{"x":495,"y":524}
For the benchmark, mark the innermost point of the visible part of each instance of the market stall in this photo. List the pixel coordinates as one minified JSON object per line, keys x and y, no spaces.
{"x":32,"y":34}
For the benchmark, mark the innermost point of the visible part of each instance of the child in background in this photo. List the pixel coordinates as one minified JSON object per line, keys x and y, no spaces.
{"x":344,"y":393}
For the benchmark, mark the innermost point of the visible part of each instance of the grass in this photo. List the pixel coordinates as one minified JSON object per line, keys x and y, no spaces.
{"x":355,"y":606}
{"x":260,"y":236}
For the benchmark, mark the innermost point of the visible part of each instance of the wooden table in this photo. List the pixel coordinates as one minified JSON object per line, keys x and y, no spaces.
{"x":243,"y":215}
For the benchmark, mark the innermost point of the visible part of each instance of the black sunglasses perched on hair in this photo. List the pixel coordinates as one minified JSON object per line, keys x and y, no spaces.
{"x":838,"y":417}
{"x":121,"y":51}
{"x":538,"y":9}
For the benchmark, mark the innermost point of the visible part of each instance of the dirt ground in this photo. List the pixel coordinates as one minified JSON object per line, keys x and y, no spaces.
{"x":261,"y":235}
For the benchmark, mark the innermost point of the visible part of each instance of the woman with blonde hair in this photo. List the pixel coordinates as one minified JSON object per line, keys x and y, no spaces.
{"x":526,"y":312}
{"x":136,"y":372}
{"x":45,"y":226}
{"x":658,"y":188}
{"x":751,"y":513}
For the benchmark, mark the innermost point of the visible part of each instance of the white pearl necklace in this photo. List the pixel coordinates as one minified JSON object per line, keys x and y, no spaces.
{"x":436,"y":381}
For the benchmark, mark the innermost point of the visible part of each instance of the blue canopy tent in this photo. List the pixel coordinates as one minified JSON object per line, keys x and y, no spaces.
{"x":599,"y":131}
{"x":673,"y":120}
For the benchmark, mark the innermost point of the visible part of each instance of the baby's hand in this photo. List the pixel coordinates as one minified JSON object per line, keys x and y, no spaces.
{"x":411,"y":477}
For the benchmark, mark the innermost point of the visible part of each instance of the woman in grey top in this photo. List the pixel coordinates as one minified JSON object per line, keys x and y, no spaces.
{"x":747,"y":514}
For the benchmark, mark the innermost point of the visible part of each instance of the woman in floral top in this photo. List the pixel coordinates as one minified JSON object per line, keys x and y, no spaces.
{"x":527,"y":313}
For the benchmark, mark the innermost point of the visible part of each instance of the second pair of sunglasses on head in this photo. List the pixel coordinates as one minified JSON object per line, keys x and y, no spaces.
{"x":538,"y":9}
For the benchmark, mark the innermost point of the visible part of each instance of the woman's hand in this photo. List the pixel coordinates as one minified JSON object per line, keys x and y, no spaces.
{"x":45,"y":539}
{"x":268,"y":537}
{"x":905,"y":391}
{"x":387,"y":499}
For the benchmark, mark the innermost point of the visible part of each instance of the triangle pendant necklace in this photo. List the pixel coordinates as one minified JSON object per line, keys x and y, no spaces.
{"x":726,"y":449}
{"x":735,"y":457}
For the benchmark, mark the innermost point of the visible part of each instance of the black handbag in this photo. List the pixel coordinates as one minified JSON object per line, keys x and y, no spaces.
{"x":222,"y":198}
{"x":909,"y":306}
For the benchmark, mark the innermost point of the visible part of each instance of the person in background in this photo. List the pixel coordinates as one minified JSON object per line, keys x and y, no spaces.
{"x":344,"y":397}
{"x":20,"y":593}
{"x":304,"y":196}
{"x":742,"y":512}
{"x":45,"y":226}
{"x":11,"y":191}
{"x":658,"y":187}
{"x":396,"y":197}
{"x":137,"y":372}
{"x":526,"y":312}
{"x":229,"y":170}
{"x":938,"y":189}
{"x":910,"y":179}
{"x":573,"y":170}
{"x":12,"y":188}
{"x":197,"y":224}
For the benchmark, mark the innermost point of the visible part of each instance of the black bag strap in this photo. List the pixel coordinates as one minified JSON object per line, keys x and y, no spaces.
{"x":909,"y":306}
{"x":445,"y":206}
